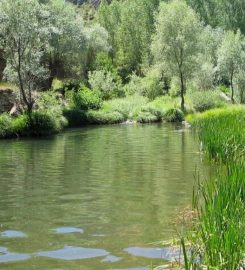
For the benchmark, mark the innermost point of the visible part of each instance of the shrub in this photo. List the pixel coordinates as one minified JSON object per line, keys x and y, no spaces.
{"x":174,"y":115}
{"x":75,"y":117}
{"x":21,"y":125}
{"x":147,"y":117}
{"x":6,"y":126}
{"x":206,"y":100}
{"x":129,"y":107}
{"x":36,"y":124}
{"x":152,"y":85}
{"x":42,"y":124}
{"x":57,"y":85}
{"x":154,"y":111}
{"x":102,"y":117}
{"x":107,"y":83}
{"x":86,"y":99}
{"x":52,"y":104}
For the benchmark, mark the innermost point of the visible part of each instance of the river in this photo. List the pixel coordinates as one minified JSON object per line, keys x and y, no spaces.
{"x":95,"y":198}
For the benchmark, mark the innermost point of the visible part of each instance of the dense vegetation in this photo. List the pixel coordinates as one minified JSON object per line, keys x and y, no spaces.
{"x":218,"y":235}
{"x":113,"y":61}
{"x":105,"y":62}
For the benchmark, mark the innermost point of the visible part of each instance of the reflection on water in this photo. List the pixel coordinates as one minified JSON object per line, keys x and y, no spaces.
{"x":91,"y":193}
{"x":63,"y":230}
{"x":73,"y":253}
{"x":6,"y":256}
{"x":12,"y":234}
{"x":166,"y":253}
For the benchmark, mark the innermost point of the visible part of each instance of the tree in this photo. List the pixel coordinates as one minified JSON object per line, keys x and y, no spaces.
{"x":130,"y":25}
{"x":176,"y":41}
{"x":231,"y":57}
{"x":228,"y":14}
{"x":67,"y":39}
{"x":25,"y":39}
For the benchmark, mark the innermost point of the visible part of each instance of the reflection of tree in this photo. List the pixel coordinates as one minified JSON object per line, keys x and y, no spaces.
{"x":127,"y":179}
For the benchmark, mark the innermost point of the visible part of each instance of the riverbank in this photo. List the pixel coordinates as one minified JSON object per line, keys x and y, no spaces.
{"x":218,"y":237}
{"x":53,"y":112}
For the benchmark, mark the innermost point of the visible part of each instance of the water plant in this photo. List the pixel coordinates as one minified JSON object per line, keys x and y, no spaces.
{"x":218,"y":238}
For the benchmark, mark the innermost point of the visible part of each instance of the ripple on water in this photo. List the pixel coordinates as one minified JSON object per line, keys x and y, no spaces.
{"x":6,"y":256}
{"x":167,"y":253}
{"x":70,"y":253}
{"x":64,"y":230}
{"x":13,"y":234}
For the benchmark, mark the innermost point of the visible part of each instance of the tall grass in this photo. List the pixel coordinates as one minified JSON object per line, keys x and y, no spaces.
{"x":219,"y":238}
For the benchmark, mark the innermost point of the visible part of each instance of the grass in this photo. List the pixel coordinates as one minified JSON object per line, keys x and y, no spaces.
{"x":137,"y":108}
{"x":222,"y":132}
{"x":218,"y":238}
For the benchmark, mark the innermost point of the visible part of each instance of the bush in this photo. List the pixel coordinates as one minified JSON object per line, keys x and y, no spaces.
{"x":107,"y":83}
{"x":86,"y":99}
{"x":154,"y":111}
{"x":6,"y":126}
{"x":206,"y":100}
{"x":42,"y":124}
{"x":102,"y":117}
{"x":147,"y":117}
{"x":174,"y":115}
{"x":129,"y":107}
{"x":21,"y":125}
{"x":75,"y":117}
{"x":52,"y":104}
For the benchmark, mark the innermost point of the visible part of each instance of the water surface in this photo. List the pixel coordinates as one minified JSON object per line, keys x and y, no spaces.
{"x":94,"y":198}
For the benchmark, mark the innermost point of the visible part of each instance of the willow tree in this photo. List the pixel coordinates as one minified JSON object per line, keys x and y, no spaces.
{"x":231,"y":57}
{"x":176,"y":41}
{"x":25,"y":39}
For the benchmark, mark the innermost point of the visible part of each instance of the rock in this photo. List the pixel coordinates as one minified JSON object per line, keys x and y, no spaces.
{"x":224,"y":97}
{"x":8,"y":99}
{"x":186,"y":124}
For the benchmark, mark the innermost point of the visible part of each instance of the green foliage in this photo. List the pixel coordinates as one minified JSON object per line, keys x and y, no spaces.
{"x":174,"y":115}
{"x":103,"y":117}
{"x":52,"y":104}
{"x":107,"y":83}
{"x":147,"y":117}
{"x":75,"y":117}
{"x":222,"y":130}
{"x":129,"y":107}
{"x":129,"y":32}
{"x":42,"y":124}
{"x":206,"y":100}
{"x":218,"y":237}
{"x":85,"y":99}
{"x":226,"y":14}
{"x":176,"y":41}
{"x":231,"y":57}
{"x":34,"y":124}
{"x":24,"y":35}
{"x":21,"y":125}
{"x":6,"y":125}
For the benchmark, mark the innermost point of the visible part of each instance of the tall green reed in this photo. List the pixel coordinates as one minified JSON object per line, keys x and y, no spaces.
{"x":218,"y":238}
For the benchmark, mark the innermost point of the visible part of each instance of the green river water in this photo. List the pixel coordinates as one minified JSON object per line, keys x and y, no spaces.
{"x":96,"y":198}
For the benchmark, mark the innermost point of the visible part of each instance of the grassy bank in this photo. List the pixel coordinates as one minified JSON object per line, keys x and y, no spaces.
{"x":218,"y":238}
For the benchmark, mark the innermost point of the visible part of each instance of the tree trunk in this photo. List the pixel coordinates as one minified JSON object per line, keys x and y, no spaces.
{"x":28,"y":104}
{"x":182,"y":93}
{"x":232,"y":90}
